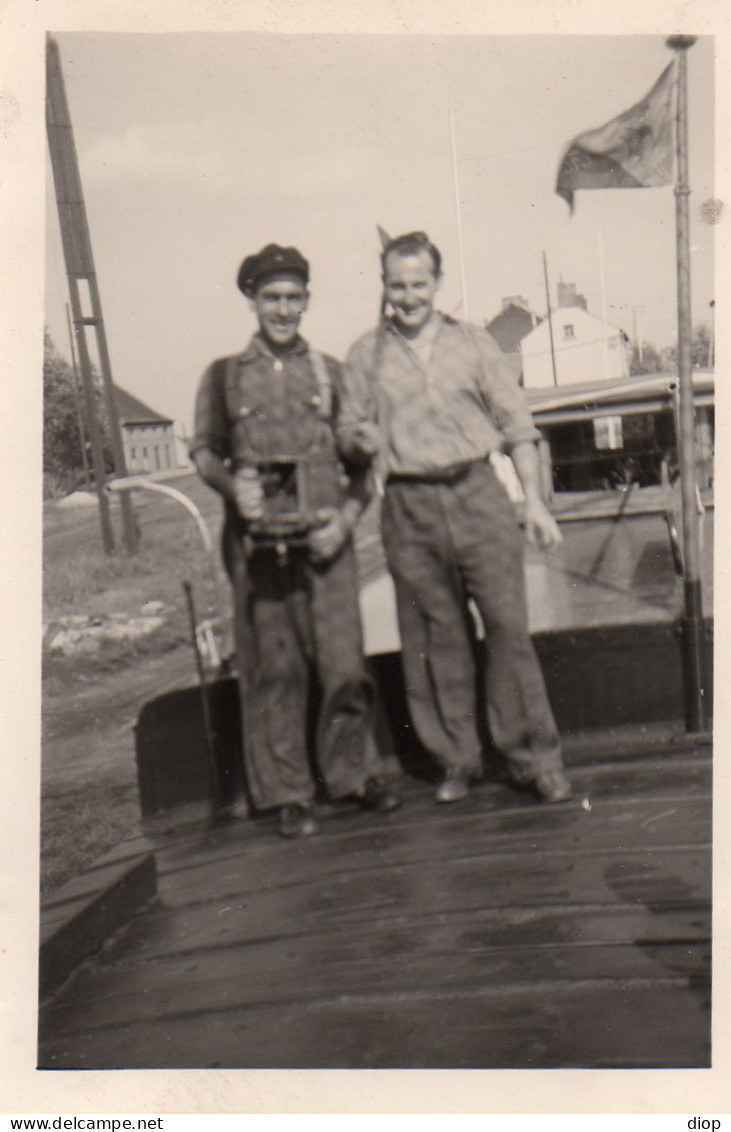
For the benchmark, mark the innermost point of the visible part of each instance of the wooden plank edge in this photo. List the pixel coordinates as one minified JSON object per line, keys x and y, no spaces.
{"x":71,"y":934}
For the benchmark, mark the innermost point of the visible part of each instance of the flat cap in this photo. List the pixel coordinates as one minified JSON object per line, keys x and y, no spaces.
{"x":270,"y":261}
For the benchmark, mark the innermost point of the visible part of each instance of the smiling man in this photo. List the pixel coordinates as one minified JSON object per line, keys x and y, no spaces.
{"x":430,"y":399}
{"x":264,"y":440}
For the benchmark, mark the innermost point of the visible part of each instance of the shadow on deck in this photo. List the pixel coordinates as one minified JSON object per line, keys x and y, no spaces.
{"x":495,"y":933}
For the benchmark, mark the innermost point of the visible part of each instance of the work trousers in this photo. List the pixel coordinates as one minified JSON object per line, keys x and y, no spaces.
{"x":447,"y":543}
{"x":298,"y":624}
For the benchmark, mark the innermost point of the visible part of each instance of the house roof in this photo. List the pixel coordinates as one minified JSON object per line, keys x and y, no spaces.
{"x":511,"y":325}
{"x":567,"y":314}
{"x":132,"y":411}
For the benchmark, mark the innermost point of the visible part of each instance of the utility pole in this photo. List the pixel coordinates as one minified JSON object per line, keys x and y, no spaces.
{"x":550,"y":323}
{"x":77,"y":401}
{"x":79,"y":269}
{"x":637,"y":331}
{"x":458,"y":209}
{"x":693,"y":626}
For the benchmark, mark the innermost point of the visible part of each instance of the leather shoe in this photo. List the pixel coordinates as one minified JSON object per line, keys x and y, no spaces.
{"x":553,"y":786}
{"x":377,"y":795}
{"x":297,"y":820}
{"x":456,"y":785}
{"x":234,"y":810}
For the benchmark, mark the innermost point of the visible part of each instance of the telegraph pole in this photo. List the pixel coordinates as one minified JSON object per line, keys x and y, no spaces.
{"x":80,"y":268}
{"x":77,"y":401}
{"x":550,"y":323}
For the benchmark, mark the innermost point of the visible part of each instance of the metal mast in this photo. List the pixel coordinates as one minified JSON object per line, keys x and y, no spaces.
{"x":79,"y":269}
{"x":693,"y":626}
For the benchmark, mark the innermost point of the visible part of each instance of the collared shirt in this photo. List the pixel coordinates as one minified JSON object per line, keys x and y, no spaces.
{"x":257,"y":404}
{"x":460,"y":404}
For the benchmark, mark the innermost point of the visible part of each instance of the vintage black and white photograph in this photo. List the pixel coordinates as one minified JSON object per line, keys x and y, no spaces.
{"x":378,"y":527}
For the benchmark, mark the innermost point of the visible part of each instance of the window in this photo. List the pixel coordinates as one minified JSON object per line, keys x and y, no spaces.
{"x":568,"y":331}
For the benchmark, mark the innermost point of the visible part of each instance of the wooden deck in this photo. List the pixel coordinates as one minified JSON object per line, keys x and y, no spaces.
{"x":495,"y":933}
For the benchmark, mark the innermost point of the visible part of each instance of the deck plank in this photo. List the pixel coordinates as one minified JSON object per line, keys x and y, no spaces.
{"x":664,"y":880}
{"x":356,"y":844}
{"x":617,"y":1023}
{"x":496,"y":933}
{"x":390,"y":964}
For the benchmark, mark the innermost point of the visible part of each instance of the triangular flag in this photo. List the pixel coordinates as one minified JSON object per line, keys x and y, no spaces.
{"x":633,"y":151}
{"x":383,"y":236}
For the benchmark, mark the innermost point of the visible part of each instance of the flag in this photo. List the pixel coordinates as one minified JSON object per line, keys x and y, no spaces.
{"x":633,"y":151}
{"x":383,"y":236}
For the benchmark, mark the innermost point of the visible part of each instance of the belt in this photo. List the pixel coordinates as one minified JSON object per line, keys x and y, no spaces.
{"x":452,"y":473}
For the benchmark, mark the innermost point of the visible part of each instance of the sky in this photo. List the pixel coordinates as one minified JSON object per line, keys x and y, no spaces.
{"x":196,"y":149}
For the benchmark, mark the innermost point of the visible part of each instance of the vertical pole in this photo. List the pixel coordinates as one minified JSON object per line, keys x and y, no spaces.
{"x":77,"y":401}
{"x":95,"y":435}
{"x":208,"y":736}
{"x":458,"y":207}
{"x":129,"y":528}
{"x":80,"y":266}
{"x":550,"y":323}
{"x":693,"y":627}
{"x":637,"y":331}
{"x":605,"y":340}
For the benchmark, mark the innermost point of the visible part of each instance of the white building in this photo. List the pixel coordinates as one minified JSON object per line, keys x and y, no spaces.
{"x":585,"y":349}
{"x":149,"y":440}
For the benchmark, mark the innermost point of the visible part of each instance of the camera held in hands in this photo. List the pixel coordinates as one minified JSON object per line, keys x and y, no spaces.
{"x":295,"y":490}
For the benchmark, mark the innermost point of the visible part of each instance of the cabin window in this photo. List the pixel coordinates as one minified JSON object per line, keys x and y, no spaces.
{"x":608,"y":433}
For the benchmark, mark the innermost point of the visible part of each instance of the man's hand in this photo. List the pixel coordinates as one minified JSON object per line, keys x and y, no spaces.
{"x":249,"y":494}
{"x":365,"y":437}
{"x":541,"y":529}
{"x":326,"y":541}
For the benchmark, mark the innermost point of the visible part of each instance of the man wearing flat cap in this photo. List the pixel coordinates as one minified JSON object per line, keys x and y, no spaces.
{"x":264,"y":439}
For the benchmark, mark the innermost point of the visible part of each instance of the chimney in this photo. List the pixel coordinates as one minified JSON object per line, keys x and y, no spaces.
{"x":515,"y":301}
{"x":567,"y":296}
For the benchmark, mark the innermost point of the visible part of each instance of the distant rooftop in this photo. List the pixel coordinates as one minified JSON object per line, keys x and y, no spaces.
{"x":130,"y":408}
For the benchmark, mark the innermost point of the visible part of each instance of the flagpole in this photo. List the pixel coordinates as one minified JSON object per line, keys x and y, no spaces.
{"x":693,"y":625}
{"x":455,"y":177}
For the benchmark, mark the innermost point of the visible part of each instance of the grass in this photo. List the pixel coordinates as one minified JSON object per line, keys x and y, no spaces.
{"x":80,"y":824}
{"x":90,"y":703}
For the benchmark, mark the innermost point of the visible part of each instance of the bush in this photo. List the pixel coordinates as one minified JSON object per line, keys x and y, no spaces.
{"x":62,"y":453}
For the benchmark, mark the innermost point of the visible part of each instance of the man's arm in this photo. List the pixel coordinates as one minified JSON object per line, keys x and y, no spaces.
{"x":356,"y":430}
{"x":340,"y":522}
{"x":327,"y":541}
{"x":214,"y":472}
{"x":209,"y":446}
{"x":541,"y":529}
{"x":244,"y":489}
{"x":511,"y":412}
{"x":503,"y":396}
